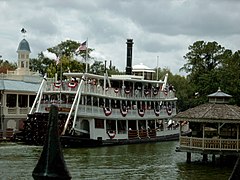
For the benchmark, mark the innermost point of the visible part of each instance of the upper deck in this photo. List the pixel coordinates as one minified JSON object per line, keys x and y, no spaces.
{"x":89,"y":88}
{"x":94,"y":94}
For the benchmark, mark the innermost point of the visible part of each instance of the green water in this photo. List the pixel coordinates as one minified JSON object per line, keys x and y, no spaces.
{"x":141,"y":161}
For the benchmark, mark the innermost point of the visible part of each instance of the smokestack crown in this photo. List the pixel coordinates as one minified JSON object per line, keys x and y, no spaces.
{"x":129,"y":56}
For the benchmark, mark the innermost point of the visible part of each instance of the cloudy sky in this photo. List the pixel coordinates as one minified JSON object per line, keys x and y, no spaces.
{"x":159,"y":28}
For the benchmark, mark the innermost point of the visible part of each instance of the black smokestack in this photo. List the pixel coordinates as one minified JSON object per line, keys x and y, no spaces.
{"x":129,"y":57}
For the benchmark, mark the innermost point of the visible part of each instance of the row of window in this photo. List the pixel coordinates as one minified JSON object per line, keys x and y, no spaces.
{"x":20,"y":100}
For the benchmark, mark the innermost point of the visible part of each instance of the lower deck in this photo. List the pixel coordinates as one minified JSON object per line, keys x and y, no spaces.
{"x":209,"y":145}
{"x":102,"y":130}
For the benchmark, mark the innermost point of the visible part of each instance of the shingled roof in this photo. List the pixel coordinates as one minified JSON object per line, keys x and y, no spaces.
{"x":212,"y":112}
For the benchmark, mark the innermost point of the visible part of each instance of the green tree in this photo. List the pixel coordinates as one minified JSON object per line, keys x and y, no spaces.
{"x":66,"y":51}
{"x":5,"y":66}
{"x":230,"y":76}
{"x":98,"y":67}
{"x":204,"y":60}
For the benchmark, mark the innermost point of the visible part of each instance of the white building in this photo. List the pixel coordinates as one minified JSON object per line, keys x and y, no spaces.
{"x":17,"y":92}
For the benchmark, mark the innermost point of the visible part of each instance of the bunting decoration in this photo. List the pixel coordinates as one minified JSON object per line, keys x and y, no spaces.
{"x":107,"y":111}
{"x":141,"y":112}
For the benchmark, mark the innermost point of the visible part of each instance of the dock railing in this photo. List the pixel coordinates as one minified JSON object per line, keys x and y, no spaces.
{"x":209,"y":143}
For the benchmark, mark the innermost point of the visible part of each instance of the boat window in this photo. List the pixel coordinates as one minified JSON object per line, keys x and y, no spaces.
{"x":152,"y":105}
{"x":101,"y":102}
{"x":111,"y":125}
{"x":151,"y":124}
{"x":138,"y":105}
{"x":134,"y":106}
{"x":148,"y":105}
{"x":63,"y":98}
{"x":99,"y":123}
{"x":113,"y":104}
{"x":121,"y":125}
{"x":89,"y":100}
{"x":95,"y":101}
{"x":132,"y":125}
{"x":107,"y":104}
{"x":143,"y":105}
{"x":31,"y":100}
{"x":118,"y":104}
{"x":22,"y":100}
{"x":53,"y":97}
{"x":11,"y":100}
{"x":142,"y":125}
{"x":128,"y":104}
{"x":71,"y":99}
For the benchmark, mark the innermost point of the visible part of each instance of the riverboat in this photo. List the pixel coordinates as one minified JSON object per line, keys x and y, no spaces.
{"x":98,"y":110}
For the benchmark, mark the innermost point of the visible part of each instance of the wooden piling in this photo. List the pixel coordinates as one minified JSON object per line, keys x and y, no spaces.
{"x":188,"y":157}
{"x":51,"y":164}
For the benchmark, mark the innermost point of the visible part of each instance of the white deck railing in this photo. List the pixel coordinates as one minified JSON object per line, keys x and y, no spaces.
{"x":93,"y":111}
{"x":16,"y":110}
{"x":111,"y":92}
{"x":209,"y":143}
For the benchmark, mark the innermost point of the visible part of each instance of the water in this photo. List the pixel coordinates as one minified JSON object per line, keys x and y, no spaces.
{"x":141,"y":161}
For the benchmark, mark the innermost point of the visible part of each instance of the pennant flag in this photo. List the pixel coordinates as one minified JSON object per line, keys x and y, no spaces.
{"x":23,"y":30}
{"x":82,"y":47}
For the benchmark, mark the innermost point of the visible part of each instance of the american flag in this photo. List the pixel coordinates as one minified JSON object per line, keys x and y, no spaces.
{"x":82,"y":47}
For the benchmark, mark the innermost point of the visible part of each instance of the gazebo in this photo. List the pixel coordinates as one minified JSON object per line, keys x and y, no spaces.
{"x":214,"y":128}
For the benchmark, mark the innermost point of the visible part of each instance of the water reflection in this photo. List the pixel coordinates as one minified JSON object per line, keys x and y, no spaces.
{"x":141,"y":161}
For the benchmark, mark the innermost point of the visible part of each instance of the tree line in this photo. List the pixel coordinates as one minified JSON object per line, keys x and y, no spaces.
{"x":209,"y":66}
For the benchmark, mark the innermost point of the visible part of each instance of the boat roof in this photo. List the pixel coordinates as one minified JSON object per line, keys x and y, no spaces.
{"x":219,"y":93}
{"x":13,"y":85}
{"x":132,"y":78}
{"x":141,"y":68}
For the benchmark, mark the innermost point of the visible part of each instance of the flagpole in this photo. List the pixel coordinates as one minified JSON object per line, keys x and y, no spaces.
{"x":86,"y":57}
{"x":157,"y":66}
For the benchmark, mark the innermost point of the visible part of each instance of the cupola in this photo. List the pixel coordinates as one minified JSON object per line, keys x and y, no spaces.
{"x":219,"y":97}
{"x":23,"y":57}
{"x":24,"y":46}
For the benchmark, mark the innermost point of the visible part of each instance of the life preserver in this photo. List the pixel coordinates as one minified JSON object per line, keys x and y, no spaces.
{"x":124,"y":111}
{"x":111,"y":133}
{"x":72,"y":84}
{"x":157,"y":111}
{"x":116,"y":90}
{"x":57,"y":84}
{"x":141,"y":112}
{"x":107,"y":111}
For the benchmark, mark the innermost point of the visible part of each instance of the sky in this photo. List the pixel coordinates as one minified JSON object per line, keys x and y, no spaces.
{"x":162,"y":30}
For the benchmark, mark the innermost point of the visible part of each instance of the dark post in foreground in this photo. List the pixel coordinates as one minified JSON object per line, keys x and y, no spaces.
{"x":51,"y":164}
{"x":236,"y":171}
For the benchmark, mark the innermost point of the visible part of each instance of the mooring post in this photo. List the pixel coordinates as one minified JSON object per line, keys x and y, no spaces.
{"x":205,"y":158}
{"x":213,"y":158}
{"x":188,"y":157}
{"x":51,"y":164}
{"x":236,"y":170}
